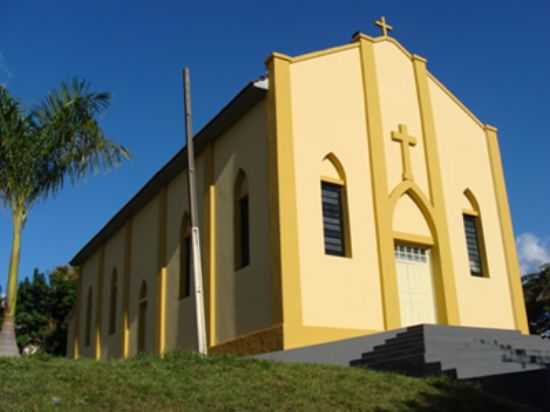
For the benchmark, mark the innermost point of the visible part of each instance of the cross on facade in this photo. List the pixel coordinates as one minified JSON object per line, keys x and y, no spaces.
{"x":402,"y":136}
{"x":385,"y":27}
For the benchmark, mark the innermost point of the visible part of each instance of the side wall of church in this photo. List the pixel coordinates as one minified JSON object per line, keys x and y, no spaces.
{"x":244,"y":297}
{"x":328,"y":117}
{"x":240,"y":302}
{"x":88,"y":275}
{"x":114,"y":258}
{"x":180,"y":311}
{"x":144,"y":257}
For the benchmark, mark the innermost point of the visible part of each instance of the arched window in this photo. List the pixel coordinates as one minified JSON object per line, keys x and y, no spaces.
{"x":88,"y":331}
{"x":241,"y":226}
{"x":142,"y":317}
{"x":475,"y":242}
{"x":337,"y":238}
{"x":113,"y":302}
{"x":186,"y":258}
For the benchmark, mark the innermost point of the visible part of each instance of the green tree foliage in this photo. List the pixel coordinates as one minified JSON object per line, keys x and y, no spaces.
{"x":536,"y":288}
{"x":44,"y":302}
{"x":31,"y":318}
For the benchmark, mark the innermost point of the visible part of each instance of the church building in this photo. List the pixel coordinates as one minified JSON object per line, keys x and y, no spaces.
{"x":347,"y":193}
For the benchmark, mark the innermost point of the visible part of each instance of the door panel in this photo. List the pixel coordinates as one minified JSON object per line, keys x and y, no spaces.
{"x":415,"y":283}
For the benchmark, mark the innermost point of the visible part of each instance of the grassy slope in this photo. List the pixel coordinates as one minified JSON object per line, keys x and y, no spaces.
{"x":186,"y":382}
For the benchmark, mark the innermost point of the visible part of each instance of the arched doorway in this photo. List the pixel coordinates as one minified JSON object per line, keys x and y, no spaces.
{"x":415,"y":259}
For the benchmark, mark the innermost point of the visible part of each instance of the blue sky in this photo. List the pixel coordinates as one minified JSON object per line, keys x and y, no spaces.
{"x":492,"y":55}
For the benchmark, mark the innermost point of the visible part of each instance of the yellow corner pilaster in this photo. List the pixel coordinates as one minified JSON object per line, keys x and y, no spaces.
{"x":125,"y":335}
{"x":99,"y":303}
{"x":161,"y":276}
{"x":512,"y":263}
{"x":444,"y":279}
{"x":382,"y":210}
{"x":287,"y":305}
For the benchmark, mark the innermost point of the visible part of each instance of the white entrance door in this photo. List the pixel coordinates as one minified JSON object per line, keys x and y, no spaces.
{"x":415,"y":283}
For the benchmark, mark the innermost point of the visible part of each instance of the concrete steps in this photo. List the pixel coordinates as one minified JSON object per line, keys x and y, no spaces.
{"x":463,"y":352}
{"x":503,"y":362}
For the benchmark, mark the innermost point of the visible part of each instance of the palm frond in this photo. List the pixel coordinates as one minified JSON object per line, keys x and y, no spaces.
{"x":14,"y":126}
{"x":60,"y":139}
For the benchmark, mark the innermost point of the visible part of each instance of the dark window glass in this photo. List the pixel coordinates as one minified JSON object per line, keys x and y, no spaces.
{"x":113,"y":304}
{"x":244,"y":232}
{"x":333,"y":219}
{"x":142,"y":318}
{"x":473,"y":244}
{"x":88,"y":336}
{"x":186,"y":267}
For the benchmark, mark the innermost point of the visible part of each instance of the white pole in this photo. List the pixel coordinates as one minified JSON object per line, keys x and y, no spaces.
{"x":195,"y":235}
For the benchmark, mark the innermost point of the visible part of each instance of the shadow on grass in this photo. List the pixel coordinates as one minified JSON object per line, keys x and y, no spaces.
{"x":452,"y":397}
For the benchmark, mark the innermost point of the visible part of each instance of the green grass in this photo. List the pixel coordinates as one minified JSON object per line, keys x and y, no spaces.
{"x":187,"y":382}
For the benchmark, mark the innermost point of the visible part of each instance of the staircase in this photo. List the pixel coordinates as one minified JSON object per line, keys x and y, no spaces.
{"x":503,"y":362}
{"x":459,"y":352}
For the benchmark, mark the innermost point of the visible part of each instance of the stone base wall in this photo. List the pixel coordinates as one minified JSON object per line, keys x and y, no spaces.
{"x":265,"y":340}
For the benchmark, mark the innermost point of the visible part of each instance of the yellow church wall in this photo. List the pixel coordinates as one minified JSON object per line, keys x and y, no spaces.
{"x":114,"y":257}
{"x":243,"y":297}
{"x":180,"y":313}
{"x":88,"y":275}
{"x":399,"y":105}
{"x":144,"y":268}
{"x":408,"y":219}
{"x":328,"y":117}
{"x":484,"y":302}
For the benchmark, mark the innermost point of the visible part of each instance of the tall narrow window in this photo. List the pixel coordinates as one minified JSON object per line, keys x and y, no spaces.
{"x":88,"y":331}
{"x":186,"y":259}
{"x":142,"y":318}
{"x":473,"y":230}
{"x":474,"y":245}
{"x":333,"y":219}
{"x":333,"y":198}
{"x":241,"y":222}
{"x":113,"y":303}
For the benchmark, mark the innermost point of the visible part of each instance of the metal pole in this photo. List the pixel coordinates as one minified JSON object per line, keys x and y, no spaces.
{"x":195,"y":236}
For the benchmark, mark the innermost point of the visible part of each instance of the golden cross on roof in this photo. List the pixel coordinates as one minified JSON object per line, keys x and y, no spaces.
{"x":385,"y":27}
{"x":403,"y":137}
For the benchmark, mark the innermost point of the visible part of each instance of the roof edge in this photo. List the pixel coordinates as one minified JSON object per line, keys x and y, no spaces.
{"x":243,"y":101}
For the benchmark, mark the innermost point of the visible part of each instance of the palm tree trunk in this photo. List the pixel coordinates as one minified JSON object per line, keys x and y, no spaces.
{"x":8,"y":345}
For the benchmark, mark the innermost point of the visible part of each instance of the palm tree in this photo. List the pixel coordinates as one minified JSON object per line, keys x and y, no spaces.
{"x":39,"y":150}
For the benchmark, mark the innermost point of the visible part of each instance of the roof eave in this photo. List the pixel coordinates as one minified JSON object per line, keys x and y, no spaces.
{"x":248,"y":97}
